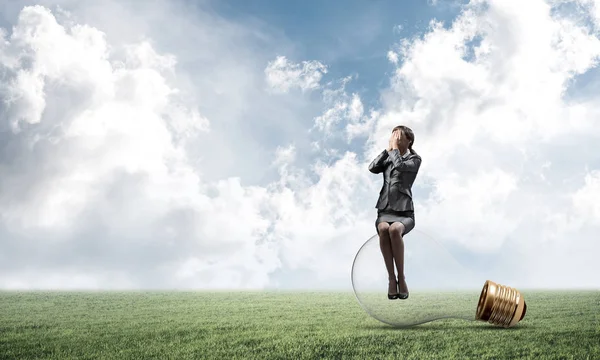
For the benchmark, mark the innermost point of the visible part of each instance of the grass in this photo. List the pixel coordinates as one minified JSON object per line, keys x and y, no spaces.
{"x":278,"y":325}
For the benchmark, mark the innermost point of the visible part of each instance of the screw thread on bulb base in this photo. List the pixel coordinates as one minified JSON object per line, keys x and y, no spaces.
{"x":500,"y":305}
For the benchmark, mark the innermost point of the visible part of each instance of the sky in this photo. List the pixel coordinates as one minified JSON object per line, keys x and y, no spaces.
{"x":224,"y":145}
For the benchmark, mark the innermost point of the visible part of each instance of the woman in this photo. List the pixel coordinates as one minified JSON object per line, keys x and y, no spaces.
{"x":399,"y":164}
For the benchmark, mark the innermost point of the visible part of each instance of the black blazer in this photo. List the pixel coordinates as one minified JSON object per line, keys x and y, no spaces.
{"x":398,"y":177}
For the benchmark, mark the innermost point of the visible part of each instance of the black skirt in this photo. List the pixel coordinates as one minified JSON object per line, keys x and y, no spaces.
{"x":407,"y":218}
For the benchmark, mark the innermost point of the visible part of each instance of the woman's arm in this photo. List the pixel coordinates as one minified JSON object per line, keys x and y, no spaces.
{"x":400,"y":164}
{"x":376,"y":165}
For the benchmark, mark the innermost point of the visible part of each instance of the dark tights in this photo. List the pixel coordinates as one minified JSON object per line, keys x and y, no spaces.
{"x":392,"y":249}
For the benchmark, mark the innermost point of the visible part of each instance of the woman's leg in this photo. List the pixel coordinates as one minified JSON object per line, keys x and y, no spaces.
{"x":396,"y":232}
{"x":388,"y":257}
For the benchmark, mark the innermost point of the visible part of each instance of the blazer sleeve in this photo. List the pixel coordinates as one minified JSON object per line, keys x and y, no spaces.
{"x":411,"y":165}
{"x":376,"y":165}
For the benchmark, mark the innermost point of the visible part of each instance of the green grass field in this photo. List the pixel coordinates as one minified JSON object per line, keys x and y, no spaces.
{"x":278,"y":325}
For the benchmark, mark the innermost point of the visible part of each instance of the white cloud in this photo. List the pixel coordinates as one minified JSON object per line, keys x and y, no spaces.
{"x":345,"y":111}
{"x":585,"y":200}
{"x":481,"y":217}
{"x":285,"y":155}
{"x":393,"y":57}
{"x":283,"y":75}
{"x":592,"y":8}
{"x":117,"y":176}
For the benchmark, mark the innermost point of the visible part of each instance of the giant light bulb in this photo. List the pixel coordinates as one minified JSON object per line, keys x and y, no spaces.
{"x":439,"y":287}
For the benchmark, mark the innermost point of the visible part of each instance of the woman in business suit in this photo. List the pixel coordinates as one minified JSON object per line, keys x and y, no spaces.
{"x":399,"y":164}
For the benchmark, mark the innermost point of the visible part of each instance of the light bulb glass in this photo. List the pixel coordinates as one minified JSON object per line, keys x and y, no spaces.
{"x":439,"y":286}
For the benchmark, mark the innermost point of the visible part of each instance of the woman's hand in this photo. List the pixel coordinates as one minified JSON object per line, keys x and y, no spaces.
{"x":394,"y":140}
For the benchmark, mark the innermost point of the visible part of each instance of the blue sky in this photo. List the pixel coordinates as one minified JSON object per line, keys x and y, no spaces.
{"x":216,"y":152}
{"x":352,"y":37}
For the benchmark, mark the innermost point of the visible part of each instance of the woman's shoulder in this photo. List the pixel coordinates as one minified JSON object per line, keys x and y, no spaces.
{"x":414,"y":154}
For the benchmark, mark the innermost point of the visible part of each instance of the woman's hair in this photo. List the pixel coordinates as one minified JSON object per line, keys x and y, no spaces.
{"x":410,"y":135}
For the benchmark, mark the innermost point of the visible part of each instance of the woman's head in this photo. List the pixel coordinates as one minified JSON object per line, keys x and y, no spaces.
{"x":406,"y":136}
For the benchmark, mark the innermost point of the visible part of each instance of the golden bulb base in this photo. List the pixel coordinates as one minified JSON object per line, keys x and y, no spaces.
{"x":500,"y":305}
